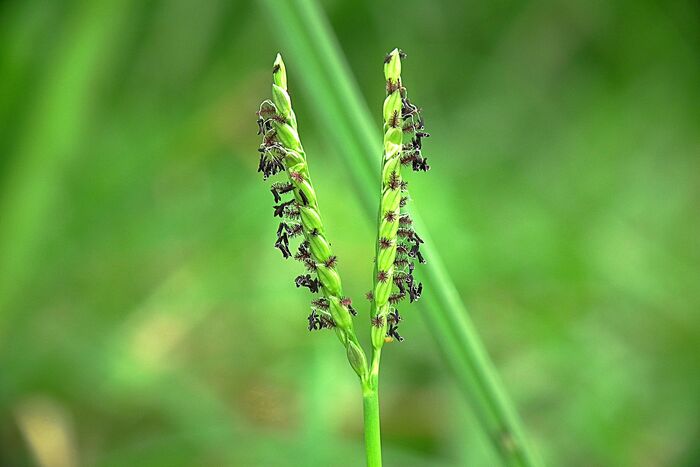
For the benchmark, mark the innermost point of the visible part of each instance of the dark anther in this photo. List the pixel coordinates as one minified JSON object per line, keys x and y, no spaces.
{"x":394,"y":317}
{"x":279,"y":209}
{"x":307,"y":281}
{"x":393,"y":332}
{"x":320,"y":303}
{"x":303,"y":253}
{"x":313,"y":321}
{"x":415,"y":291}
{"x":283,"y":227}
{"x":404,"y":200}
{"x":421,"y":260}
{"x":314,"y":232}
{"x":317,"y":321}
{"x":303,"y":197}
{"x":295,"y":230}
{"x":283,"y":244}
{"x":347,"y":303}
{"x":278,"y":189}
{"x":275,"y":68}
{"x":269,"y":164}
{"x":420,"y":164}
{"x":414,"y":250}
{"x":399,"y":284}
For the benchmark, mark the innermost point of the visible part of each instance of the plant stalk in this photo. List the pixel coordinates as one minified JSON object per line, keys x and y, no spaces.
{"x":373,"y":442}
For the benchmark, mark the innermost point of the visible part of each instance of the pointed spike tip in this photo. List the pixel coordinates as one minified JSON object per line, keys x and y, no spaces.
{"x":279,"y":72}
{"x":392,"y":66}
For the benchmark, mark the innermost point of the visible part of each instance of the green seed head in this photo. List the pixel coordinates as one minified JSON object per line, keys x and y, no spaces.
{"x":281,"y":99}
{"x":397,"y":244}
{"x":392,"y":65}
{"x":287,"y":136}
{"x":391,"y":104}
{"x":357,"y":359}
{"x":340,"y":314}
{"x":279,"y":73}
{"x":282,"y":151}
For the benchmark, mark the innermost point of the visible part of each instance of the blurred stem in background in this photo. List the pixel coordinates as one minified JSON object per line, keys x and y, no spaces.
{"x":337,"y":101}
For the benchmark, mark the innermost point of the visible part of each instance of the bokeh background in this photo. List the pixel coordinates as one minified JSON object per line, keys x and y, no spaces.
{"x":145,"y":318}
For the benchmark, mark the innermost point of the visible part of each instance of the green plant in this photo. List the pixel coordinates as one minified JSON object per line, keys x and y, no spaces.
{"x":348,"y":122}
{"x":397,"y":246}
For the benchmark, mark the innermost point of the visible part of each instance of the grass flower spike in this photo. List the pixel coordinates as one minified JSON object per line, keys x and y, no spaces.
{"x":397,"y":245}
{"x":281,"y":150}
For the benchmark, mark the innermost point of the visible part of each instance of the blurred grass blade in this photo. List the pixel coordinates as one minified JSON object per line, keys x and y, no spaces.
{"x":48,"y":143}
{"x":343,"y":114}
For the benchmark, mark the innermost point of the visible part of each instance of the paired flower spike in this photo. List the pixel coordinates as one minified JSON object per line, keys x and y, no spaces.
{"x":398,"y":245}
{"x":281,"y":150}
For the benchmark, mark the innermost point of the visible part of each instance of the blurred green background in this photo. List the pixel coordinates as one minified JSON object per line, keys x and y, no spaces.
{"x":145,"y":318}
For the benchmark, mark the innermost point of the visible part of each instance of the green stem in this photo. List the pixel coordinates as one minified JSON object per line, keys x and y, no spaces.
{"x":373,"y":442}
